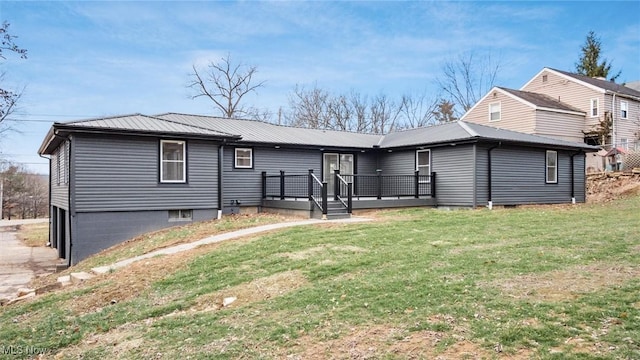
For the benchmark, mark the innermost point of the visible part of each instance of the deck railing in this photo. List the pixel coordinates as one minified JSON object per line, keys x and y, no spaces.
{"x":300,"y":186}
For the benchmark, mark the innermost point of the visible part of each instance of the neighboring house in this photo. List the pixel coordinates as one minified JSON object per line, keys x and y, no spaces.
{"x":566,"y":106}
{"x":115,"y":178}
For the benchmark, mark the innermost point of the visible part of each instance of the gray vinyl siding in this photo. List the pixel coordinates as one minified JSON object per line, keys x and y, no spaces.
{"x":454,"y":167}
{"x":519,"y":177}
{"x":97,"y":231}
{"x":481,"y":178}
{"x":245,"y":185}
{"x":60,"y":186}
{"x":122,"y":174}
{"x":367,"y":162}
{"x":398,"y":162}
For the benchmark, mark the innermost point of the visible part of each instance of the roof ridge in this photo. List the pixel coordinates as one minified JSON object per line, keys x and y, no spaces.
{"x":467,"y":128}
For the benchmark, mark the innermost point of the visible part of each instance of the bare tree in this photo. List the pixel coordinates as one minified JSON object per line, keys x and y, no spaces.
{"x":309,"y":108}
{"x":466,"y":79}
{"x":225,"y":84}
{"x":8,"y":98}
{"x":384,"y":114}
{"x":24,"y":194}
{"x":417,"y":111}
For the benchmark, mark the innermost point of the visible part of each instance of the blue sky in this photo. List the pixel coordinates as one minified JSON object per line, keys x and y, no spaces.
{"x":91,"y":59}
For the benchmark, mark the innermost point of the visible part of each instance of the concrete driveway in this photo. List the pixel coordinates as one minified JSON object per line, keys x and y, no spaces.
{"x":19,"y":263}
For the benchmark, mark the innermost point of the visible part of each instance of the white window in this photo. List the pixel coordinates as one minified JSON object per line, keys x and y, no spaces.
{"x":624,"y":109}
{"x":244,"y":158}
{"x":552,"y":167}
{"x":624,"y":143}
{"x":180,"y":215}
{"x":173,"y":167}
{"x":494,"y":111}
{"x":423,"y":163}
{"x":594,"y":108}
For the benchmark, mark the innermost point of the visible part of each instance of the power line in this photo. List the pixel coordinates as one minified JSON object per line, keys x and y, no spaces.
{"x":30,"y":120}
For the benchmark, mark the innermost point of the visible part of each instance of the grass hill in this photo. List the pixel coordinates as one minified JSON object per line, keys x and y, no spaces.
{"x":544,"y":282}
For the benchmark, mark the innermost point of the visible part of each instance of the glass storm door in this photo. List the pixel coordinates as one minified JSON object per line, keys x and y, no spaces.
{"x":333,"y":161}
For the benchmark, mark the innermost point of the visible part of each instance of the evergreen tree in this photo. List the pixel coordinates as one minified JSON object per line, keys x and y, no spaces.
{"x":589,"y":63}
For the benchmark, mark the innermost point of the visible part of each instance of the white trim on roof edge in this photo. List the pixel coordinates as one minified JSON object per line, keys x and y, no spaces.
{"x":570,"y":78}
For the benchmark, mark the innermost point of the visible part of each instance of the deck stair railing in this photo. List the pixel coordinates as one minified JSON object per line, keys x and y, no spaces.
{"x":343,"y":191}
{"x":295,"y":186}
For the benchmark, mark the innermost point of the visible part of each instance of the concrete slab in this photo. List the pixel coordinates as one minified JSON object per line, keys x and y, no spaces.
{"x":79,"y":277}
{"x":20,"y":263}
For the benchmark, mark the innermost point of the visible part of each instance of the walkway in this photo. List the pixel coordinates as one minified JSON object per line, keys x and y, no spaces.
{"x":19,"y":263}
{"x":219,"y":238}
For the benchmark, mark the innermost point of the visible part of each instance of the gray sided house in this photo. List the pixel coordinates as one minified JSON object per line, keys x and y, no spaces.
{"x":115,"y":178}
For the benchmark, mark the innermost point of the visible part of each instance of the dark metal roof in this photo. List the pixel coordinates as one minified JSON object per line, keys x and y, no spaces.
{"x":254,"y":131}
{"x":461,"y":131}
{"x":603,"y":84}
{"x":141,"y":123}
{"x":541,"y":100}
{"x":251,"y":131}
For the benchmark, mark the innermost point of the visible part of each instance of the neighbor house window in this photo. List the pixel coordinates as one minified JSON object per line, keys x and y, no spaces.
{"x":494,"y":111}
{"x":544,"y":78}
{"x":173,"y":167}
{"x":180,"y":215}
{"x":423,"y":164}
{"x":244,"y":158}
{"x":624,"y":143}
{"x":594,"y":107}
{"x":552,"y":167}
{"x":624,"y":109}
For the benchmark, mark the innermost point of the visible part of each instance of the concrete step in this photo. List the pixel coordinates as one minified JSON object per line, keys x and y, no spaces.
{"x":79,"y":277}
{"x":336,"y":216}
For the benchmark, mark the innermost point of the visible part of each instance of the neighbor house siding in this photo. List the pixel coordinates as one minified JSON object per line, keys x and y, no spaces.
{"x":628,"y":128}
{"x":245,"y":185}
{"x":518,"y":177}
{"x":559,"y":125}
{"x":122,"y":174}
{"x":515,"y":115}
{"x":454,"y":166}
{"x":569,"y":92}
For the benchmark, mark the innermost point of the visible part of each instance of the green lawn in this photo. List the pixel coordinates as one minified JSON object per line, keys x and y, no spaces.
{"x":534,"y":282}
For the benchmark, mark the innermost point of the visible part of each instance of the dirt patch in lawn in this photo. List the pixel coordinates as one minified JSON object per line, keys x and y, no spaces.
{"x":382,"y":341}
{"x":129,"y":282}
{"x":566,"y":284}
{"x":602,"y":188}
{"x":257,"y":290}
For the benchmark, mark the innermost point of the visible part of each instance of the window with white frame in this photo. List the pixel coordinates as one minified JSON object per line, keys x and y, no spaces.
{"x":594,"y":108}
{"x":494,"y":111}
{"x":624,"y":143}
{"x":624,"y":109}
{"x":173,"y":167}
{"x":423,"y":164}
{"x":180,"y":215}
{"x":244,"y":158}
{"x":552,"y":167}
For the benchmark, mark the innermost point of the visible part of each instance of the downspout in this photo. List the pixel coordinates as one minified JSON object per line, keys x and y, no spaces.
{"x":72,"y":205}
{"x":613,"y":121}
{"x":49,"y":198}
{"x":220,"y":177}
{"x":489,"y":182}
{"x":573,"y":177}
